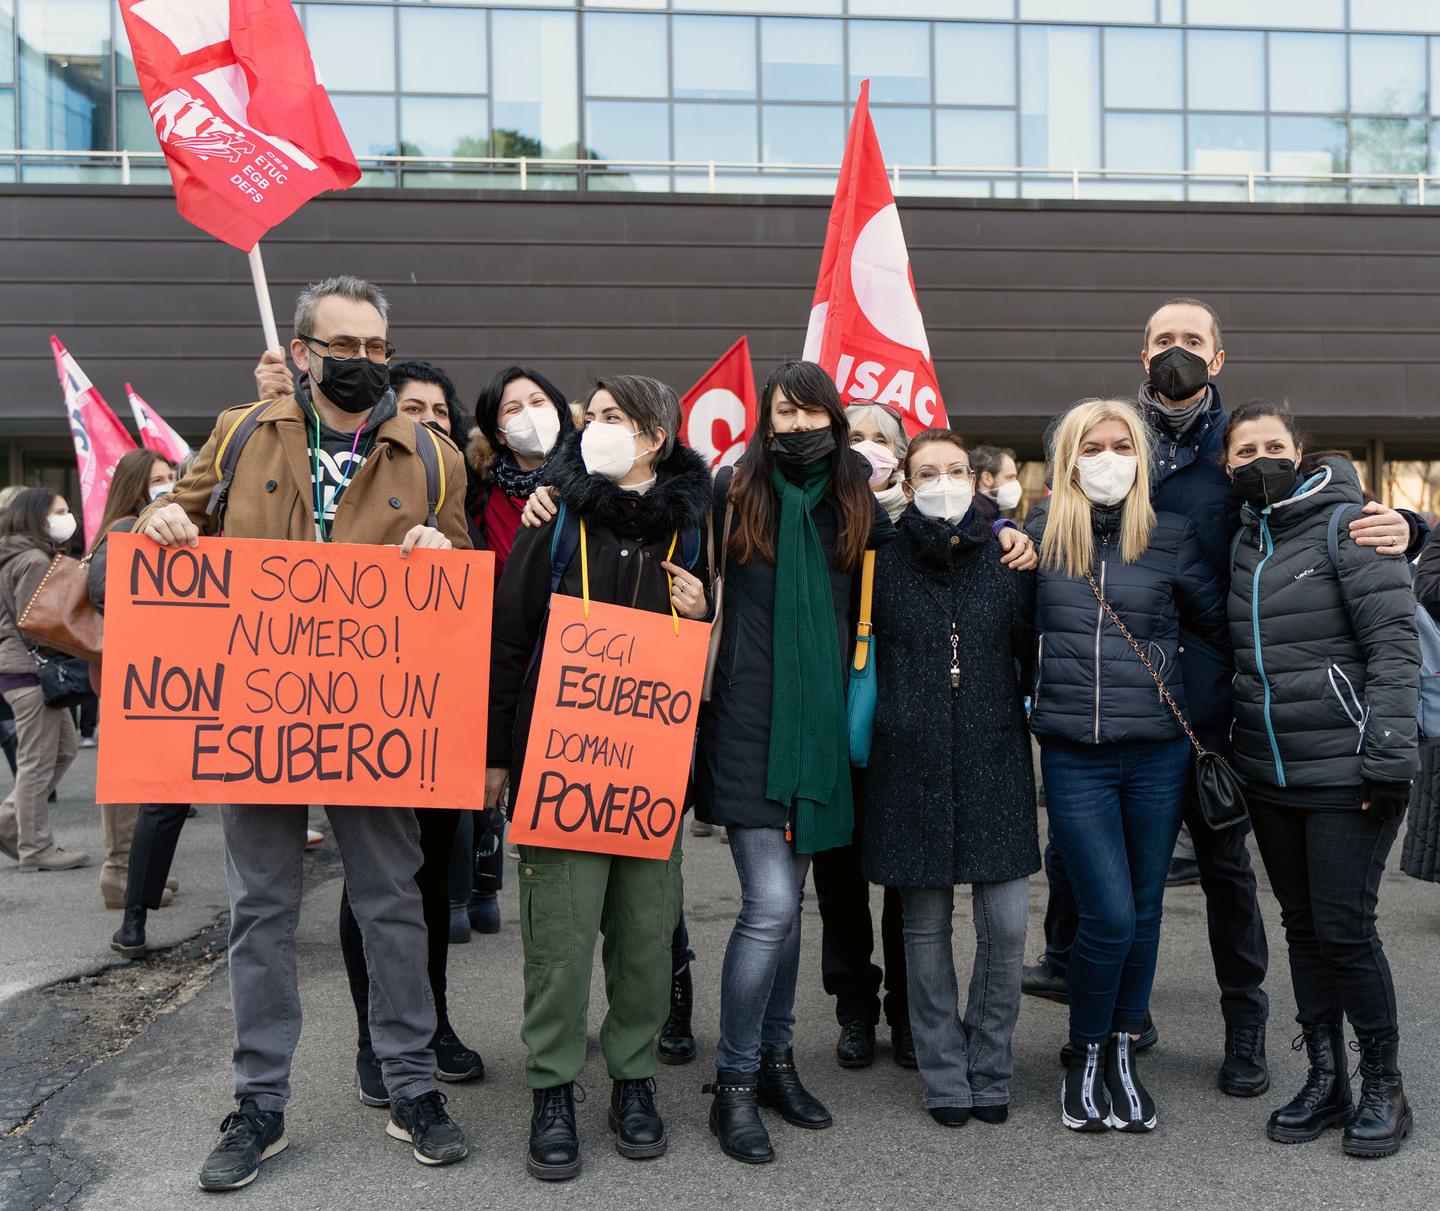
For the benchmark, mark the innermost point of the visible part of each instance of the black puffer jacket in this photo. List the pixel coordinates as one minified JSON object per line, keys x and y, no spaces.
{"x":1326,"y":657}
{"x":627,"y":538}
{"x":1090,"y":687}
{"x":965,"y":811}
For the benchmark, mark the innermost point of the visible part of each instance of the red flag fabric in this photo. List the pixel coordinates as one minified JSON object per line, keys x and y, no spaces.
{"x":219,"y":76}
{"x":100,"y":438}
{"x":154,"y":432}
{"x":865,"y":325}
{"x":719,"y":410}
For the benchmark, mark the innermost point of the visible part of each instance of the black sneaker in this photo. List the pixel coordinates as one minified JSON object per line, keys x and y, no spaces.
{"x":1040,"y":981}
{"x":1131,"y":1107}
{"x":856,"y":1048}
{"x":1245,"y":1072}
{"x":247,"y":1137}
{"x":1149,"y":1036}
{"x":369,"y":1082}
{"x":435,"y":1138}
{"x":1084,"y":1103}
{"x":455,"y":1062}
{"x":1183,"y":872}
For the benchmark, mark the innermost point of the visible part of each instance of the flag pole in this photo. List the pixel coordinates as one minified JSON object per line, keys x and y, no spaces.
{"x":262,"y":296}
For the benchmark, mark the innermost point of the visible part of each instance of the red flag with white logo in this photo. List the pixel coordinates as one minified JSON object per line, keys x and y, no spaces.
{"x":219,"y":77}
{"x":154,"y":432}
{"x":865,"y":325}
{"x":100,"y":438}
{"x":719,"y":410}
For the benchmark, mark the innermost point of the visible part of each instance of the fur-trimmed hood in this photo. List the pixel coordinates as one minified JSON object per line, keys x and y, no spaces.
{"x":680,"y":499}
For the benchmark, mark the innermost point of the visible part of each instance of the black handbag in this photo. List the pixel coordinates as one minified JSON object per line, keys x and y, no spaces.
{"x":64,"y":680}
{"x":1218,"y":790}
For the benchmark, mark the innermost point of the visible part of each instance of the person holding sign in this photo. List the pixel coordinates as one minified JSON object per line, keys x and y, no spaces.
{"x":954,"y":639}
{"x":796,"y":517}
{"x":331,"y":463}
{"x":634,"y":504}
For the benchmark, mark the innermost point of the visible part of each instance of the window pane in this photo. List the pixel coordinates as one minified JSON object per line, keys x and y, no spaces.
{"x":125,"y":76}
{"x":1146,"y":141}
{"x":975,"y":64}
{"x":1142,"y":11}
{"x":975,"y":138}
{"x":1307,"y":72}
{"x":369,"y":123}
{"x":444,"y":126}
{"x":442,"y":50}
{"x":136,"y":130}
{"x":1226,"y":143}
{"x":894,"y":56}
{"x":1387,"y":145}
{"x":714,"y":57}
{"x":931,"y":8}
{"x":7,"y":117}
{"x":1059,"y":96}
{"x":716,"y":132}
{"x":1226,"y":70}
{"x":628,"y":130}
{"x":65,"y":74}
{"x":1142,"y":68}
{"x":1307,"y":144}
{"x":749,"y":6}
{"x":1395,"y":14}
{"x":804,"y":134}
{"x":533,"y":101}
{"x":625,"y":55}
{"x":904,"y":135}
{"x":1273,"y":14}
{"x":335,"y":30}
{"x":802,"y":60}
{"x":7,"y":45}
{"x":1387,"y":75}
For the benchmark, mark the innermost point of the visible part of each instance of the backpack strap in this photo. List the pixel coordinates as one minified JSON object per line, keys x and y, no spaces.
{"x":428,"y":447}
{"x":564,"y":542}
{"x":227,"y":456}
{"x":690,"y":547}
{"x":1332,"y":533}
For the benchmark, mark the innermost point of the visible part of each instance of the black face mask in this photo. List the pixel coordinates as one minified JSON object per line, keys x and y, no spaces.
{"x":802,"y":449}
{"x":1264,"y":482}
{"x":355,"y":385}
{"x":1177,"y":374}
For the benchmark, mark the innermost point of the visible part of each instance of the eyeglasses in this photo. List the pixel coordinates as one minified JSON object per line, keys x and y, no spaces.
{"x":343,"y":348}
{"x":928,"y":475}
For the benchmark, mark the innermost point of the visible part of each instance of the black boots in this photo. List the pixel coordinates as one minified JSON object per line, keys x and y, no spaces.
{"x":1324,"y":1098}
{"x":781,"y":1090}
{"x":129,"y":939}
{"x":1244,"y":1072}
{"x":735,"y":1117}
{"x":554,"y":1154}
{"x":677,"y":1041}
{"x":1131,"y":1106}
{"x":1382,"y":1117}
{"x":856,"y":1048}
{"x":639,"y":1130}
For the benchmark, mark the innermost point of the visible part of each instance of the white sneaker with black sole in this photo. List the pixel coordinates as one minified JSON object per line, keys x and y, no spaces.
{"x":1084,"y":1103}
{"x":1131,"y":1107}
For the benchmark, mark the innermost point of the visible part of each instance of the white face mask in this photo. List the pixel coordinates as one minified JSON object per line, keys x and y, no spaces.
{"x":608,"y":450}
{"x":533,"y":433}
{"x":159,"y":490}
{"x":61,"y":527}
{"x":882,"y":462}
{"x":945,"y":498}
{"x":1106,"y":478}
{"x":1007,"y":496}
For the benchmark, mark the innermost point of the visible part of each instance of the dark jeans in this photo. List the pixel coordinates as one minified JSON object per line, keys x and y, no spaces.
{"x":1325,"y":869}
{"x":437,"y":835}
{"x":848,"y":939}
{"x":1115,"y":811}
{"x":152,"y":850}
{"x":1238,"y":947}
{"x":87,"y":715}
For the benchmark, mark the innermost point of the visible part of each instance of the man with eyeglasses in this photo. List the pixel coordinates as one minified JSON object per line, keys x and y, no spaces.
{"x":331,"y":462}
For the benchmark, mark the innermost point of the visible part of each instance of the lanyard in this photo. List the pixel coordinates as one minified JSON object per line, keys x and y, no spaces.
{"x":585,"y":575}
{"x":321,"y":533}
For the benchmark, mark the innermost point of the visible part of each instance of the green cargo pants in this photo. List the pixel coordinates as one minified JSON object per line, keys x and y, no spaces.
{"x":566,"y":899}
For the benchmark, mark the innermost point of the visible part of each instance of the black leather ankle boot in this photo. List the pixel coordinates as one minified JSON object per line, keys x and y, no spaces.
{"x":781,"y":1090}
{"x":677,"y":1040}
{"x":735,"y":1117}
{"x":554,"y":1154}
{"x":638,"y":1127}
{"x":1324,"y":1098}
{"x":1382,"y":1117}
{"x":129,"y":939}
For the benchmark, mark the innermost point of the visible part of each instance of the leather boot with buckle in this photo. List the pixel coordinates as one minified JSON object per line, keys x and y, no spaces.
{"x":781,"y":1090}
{"x":735,"y":1117}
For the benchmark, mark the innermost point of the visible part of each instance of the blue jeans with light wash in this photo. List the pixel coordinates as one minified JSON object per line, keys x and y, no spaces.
{"x":1115,"y":810}
{"x":762,"y":961}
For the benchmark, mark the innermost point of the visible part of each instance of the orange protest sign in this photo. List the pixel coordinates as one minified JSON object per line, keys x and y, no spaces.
{"x":282,"y":672}
{"x":607,"y":760}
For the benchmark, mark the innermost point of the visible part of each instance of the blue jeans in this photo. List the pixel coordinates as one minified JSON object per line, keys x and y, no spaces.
{"x":1115,"y":810}
{"x":762,"y":961}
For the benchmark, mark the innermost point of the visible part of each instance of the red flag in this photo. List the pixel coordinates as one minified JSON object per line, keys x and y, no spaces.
{"x":719,"y":410}
{"x":218,"y":76}
{"x":865,"y":325}
{"x":100,"y":438}
{"x":154,"y":432}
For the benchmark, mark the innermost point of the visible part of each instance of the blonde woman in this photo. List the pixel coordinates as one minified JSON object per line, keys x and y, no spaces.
{"x":1114,"y":758}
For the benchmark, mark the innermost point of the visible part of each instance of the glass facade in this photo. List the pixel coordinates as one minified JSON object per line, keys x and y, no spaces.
{"x":1125,"y":91}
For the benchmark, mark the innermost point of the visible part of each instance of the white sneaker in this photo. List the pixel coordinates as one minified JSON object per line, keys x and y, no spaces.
{"x":89,"y":742}
{"x":313,"y":837}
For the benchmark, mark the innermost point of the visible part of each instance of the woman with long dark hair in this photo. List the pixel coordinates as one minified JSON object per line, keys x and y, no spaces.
{"x":773,"y":763}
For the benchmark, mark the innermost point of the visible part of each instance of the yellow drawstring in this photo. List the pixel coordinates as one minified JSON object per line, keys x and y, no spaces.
{"x":670,"y":580}
{"x":584,"y":571}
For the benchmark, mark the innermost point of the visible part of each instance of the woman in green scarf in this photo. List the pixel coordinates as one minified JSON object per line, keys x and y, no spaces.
{"x":793,"y":521}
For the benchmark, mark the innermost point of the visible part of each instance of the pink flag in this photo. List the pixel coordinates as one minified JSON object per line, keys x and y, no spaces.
{"x":154,"y":432}
{"x":100,"y":438}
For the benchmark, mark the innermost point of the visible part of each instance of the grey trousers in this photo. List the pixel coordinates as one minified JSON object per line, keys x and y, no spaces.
{"x":45,"y":747}
{"x":969,"y":1062}
{"x":264,"y":855}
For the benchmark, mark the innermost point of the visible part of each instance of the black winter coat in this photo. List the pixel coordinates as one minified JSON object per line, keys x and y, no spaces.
{"x":949,"y":794}
{"x":628,"y":536}
{"x":1090,"y":687}
{"x":734,"y":751}
{"x":1326,"y":658}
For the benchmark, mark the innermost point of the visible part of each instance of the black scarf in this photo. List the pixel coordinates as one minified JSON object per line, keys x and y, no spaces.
{"x":515,"y":482}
